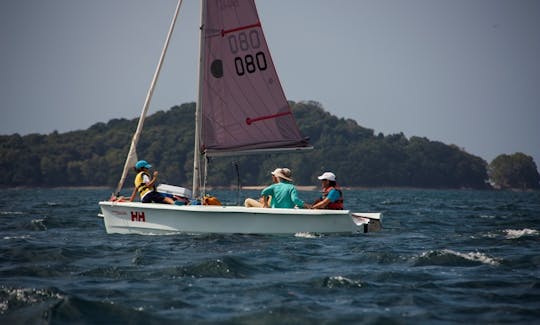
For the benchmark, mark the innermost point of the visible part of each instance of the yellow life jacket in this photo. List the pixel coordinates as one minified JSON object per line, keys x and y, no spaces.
{"x":141,"y":185}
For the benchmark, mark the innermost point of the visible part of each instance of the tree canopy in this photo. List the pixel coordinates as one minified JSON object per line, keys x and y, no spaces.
{"x":517,"y":171}
{"x":95,"y":156}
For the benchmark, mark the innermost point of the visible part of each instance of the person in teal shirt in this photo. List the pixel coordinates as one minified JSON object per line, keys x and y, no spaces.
{"x":283,"y":192}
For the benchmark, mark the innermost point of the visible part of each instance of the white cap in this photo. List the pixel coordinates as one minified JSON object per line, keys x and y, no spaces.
{"x":328,"y":175}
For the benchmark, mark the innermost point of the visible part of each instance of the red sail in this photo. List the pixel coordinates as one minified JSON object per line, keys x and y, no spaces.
{"x":243,"y":105}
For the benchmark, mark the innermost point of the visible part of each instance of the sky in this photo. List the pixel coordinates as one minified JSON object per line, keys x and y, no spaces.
{"x":464,"y":72}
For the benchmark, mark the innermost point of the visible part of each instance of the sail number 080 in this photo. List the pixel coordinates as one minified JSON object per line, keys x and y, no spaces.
{"x":248,"y":63}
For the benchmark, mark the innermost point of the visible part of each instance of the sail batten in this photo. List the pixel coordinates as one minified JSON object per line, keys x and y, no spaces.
{"x":225,"y":32}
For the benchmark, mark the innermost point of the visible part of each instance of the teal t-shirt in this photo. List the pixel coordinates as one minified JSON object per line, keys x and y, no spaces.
{"x":284,"y":195}
{"x":333,"y":196}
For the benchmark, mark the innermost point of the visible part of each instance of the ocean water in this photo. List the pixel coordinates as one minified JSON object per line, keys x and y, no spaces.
{"x":442,"y":257}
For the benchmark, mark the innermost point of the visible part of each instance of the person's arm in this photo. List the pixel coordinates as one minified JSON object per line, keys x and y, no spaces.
{"x":151,"y":183}
{"x":265,"y":194}
{"x":299,"y":203}
{"x":132,"y":197}
{"x":321,"y":204}
{"x":265,"y":201}
{"x":331,"y":197}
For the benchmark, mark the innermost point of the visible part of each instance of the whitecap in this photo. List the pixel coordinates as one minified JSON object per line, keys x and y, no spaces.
{"x":474,"y":256}
{"x":448,"y":257}
{"x":28,"y":296}
{"x":307,"y":235}
{"x":10,"y":212}
{"x":516,"y":233}
{"x":39,"y":223}
{"x":16,"y":237}
{"x":486,"y":216}
{"x":340,"y":281}
{"x":490,"y":235}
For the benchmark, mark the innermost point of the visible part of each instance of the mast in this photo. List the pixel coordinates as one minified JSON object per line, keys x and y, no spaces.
{"x":198,"y":119}
{"x":132,"y":154}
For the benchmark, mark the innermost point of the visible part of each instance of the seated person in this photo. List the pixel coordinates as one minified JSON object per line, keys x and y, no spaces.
{"x":283,"y":192}
{"x":252,"y":203}
{"x":332,"y":197}
{"x":145,"y":185}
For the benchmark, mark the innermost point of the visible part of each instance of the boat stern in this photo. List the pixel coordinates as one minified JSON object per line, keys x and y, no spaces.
{"x":371,"y":221}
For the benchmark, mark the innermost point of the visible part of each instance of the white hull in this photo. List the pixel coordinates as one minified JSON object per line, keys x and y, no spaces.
{"x":147,"y":218}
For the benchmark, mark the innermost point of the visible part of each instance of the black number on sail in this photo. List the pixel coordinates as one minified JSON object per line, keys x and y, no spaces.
{"x":250,"y":64}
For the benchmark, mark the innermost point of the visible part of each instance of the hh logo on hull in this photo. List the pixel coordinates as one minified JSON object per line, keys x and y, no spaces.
{"x":137,"y":216}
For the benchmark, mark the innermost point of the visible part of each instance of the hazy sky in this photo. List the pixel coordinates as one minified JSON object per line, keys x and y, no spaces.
{"x":464,"y":72}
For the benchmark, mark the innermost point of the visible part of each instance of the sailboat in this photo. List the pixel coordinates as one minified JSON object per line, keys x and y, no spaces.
{"x":241,"y":109}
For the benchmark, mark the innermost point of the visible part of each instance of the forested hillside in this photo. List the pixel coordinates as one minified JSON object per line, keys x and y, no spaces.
{"x":95,"y":157}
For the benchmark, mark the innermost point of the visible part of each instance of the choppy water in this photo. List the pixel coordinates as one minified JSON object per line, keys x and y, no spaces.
{"x":443,"y":257}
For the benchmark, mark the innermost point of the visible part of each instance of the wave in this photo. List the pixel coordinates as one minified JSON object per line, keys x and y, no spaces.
{"x":16,"y":237}
{"x":228,"y":267}
{"x":17,"y":302}
{"x":50,"y":305}
{"x":23,"y":296}
{"x":487,"y":216}
{"x":10,"y":212}
{"x":341,"y":282}
{"x":448,"y":257}
{"x":221,"y":268}
{"x":39,"y":224}
{"x":514,"y":234}
{"x":307,"y":235}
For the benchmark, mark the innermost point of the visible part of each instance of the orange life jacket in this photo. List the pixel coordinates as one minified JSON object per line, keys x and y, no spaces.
{"x":211,"y":200}
{"x":336,"y":205}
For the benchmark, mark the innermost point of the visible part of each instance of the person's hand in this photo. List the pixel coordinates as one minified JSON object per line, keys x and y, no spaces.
{"x":155,"y":173}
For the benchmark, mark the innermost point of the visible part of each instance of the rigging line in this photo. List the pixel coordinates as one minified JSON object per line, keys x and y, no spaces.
{"x":133,"y":147}
{"x":237,"y":183}
{"x":197,"y":153}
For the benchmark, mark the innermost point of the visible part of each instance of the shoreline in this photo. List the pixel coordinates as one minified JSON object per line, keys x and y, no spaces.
{"x":260,"y":187}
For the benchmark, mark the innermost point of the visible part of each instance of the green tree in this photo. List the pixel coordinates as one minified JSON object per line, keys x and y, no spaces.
{"x":358,"y":157}
{"x":514,"y":171}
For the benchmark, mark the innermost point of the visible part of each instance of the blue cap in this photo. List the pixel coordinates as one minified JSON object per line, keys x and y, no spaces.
{"x":142,"y":164}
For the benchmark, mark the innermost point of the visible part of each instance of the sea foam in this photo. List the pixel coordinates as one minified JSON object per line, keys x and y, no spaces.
{"x":513,"y":233}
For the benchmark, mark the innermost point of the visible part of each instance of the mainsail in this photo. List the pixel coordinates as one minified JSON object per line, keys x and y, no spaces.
{"x":243,"y":107}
